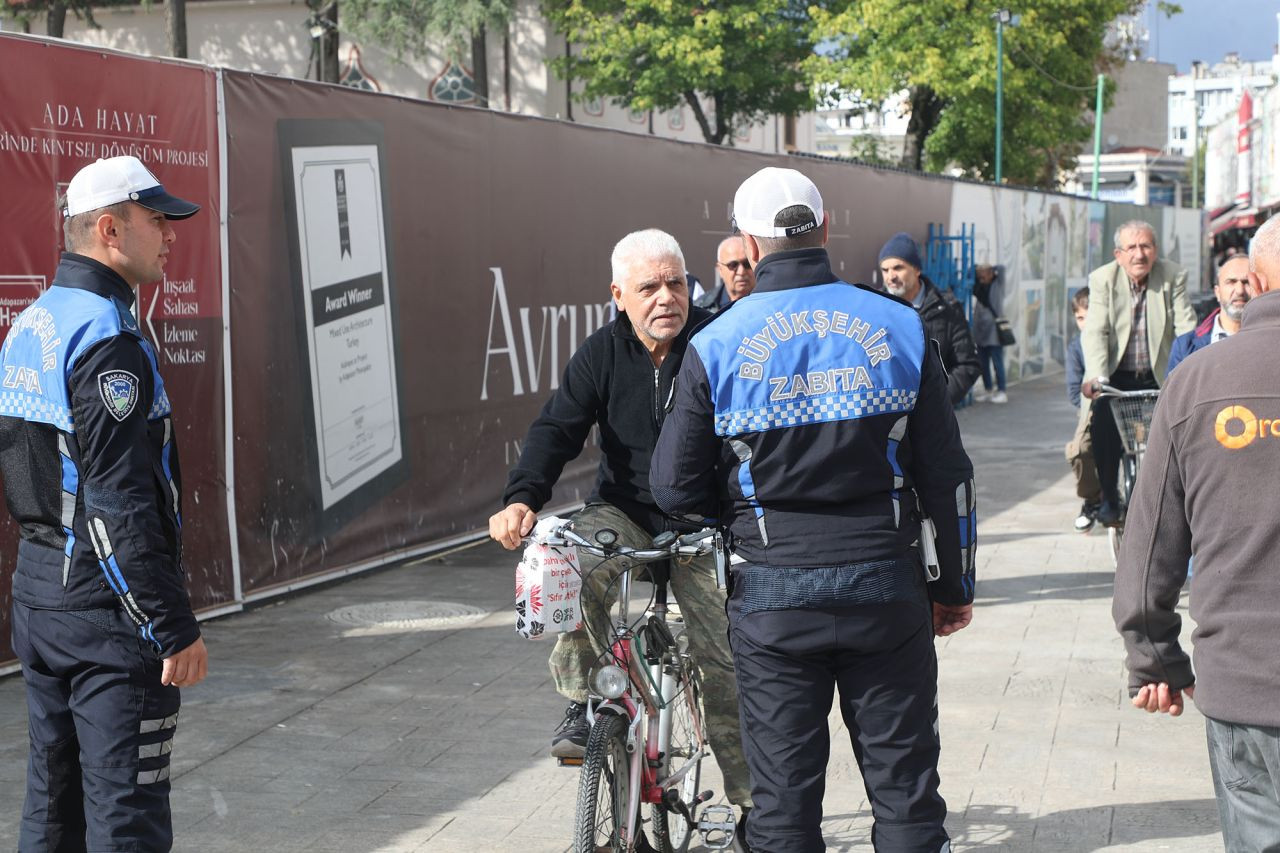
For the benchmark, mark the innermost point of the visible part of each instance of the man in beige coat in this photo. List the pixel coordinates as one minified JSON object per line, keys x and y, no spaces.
{"x":1138,"y":304}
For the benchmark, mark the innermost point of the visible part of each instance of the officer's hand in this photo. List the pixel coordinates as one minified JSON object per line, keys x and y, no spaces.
{"x":511,"y":525}
{"x":1162,"y":698}
{"x":949,"y":618}
{"x":187,"y":667}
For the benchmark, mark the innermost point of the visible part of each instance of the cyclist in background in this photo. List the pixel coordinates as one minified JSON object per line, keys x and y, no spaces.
{"x":621,"y":378}
{"x":820,"y":412}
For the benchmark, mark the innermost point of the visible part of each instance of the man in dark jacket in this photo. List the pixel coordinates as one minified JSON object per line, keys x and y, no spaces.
{"x":1232,"y":291}
{"x":622,"y":379}
{"x":944,"y":319}
{"x":102,"y":622}
{"x":1213,"y":455}
{"x":812,"y":421}
{"x":733,"y":271}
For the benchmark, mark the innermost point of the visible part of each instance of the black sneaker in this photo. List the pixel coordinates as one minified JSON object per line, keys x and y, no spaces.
{"x":570,"y":739}
{"x":740,"y":836}
{"x":1109,"y":514}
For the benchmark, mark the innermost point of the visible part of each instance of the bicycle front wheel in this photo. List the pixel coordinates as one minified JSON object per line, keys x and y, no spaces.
{"x":671,"y":828}
{"x":604,"y":789}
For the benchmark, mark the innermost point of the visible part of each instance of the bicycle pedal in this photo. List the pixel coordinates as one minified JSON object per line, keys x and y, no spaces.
{"x":718,"y":827}
{"x":568,"y":762}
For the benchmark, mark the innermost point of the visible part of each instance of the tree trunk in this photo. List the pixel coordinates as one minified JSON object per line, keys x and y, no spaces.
{"x":926,"y":109}
{"x":480,"y":65}
{"x":56,"y":20}
{"x":175,"y":19}
{"x":329,"y":44}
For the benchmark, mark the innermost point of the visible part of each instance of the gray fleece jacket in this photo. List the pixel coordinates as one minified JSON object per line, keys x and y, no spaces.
{"x":1208,"y":484}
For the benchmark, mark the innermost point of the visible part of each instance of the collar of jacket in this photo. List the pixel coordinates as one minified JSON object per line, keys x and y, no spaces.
{"x":794,"y":268}
{"x":933,"y":297}
{"x":1207,"y":326}
{"x":622,"y":327}
{"x":1262,"y":311}
{"x":84,"y":273}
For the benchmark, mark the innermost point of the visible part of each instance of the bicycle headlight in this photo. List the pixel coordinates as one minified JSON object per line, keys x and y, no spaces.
{"x":610,"y":682}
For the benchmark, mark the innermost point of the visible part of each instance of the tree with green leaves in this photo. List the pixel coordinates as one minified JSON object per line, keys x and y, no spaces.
{"x":55,"y":12}
{"x":407,"y":28}
{"x":733,"y":63}
{"x":943,"y":54}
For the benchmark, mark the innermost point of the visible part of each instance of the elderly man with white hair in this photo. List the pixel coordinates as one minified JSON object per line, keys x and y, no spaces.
{"x":621,"y":379}
{"x":1213,"y":455}
{"x":1138,"y":304}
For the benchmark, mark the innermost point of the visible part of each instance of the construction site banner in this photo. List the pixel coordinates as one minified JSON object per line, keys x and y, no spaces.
{"x":62,"y":107}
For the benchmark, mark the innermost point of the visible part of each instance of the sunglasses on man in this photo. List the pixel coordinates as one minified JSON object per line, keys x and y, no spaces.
{"x":732,"y":266}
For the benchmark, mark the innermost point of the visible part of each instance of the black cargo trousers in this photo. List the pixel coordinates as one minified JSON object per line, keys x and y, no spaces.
{"x":881,"y":657}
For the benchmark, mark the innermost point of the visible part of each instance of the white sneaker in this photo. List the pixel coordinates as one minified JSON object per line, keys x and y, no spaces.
{"x":981,"y":396}
{"x":999,"y":397}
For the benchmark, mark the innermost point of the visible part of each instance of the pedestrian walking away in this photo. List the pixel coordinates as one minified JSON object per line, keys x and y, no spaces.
{"x":819,"y":454}
{"x":988,"y":311}
{"x":1211,"y":453}
{"x":621,"y":379}
{"x":102,"y":622}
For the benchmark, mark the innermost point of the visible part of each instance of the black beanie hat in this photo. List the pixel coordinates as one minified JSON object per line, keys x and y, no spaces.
{"x":901,"y":246}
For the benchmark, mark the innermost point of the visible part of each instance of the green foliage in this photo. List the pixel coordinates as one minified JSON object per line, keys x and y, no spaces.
{"x":406,"y":28}
{"x":745,"y":58}
{"x":55,"y":12}
{"x":948,"y":47}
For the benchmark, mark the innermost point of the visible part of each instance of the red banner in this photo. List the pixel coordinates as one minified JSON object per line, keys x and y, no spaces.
{"x":62,"y":107}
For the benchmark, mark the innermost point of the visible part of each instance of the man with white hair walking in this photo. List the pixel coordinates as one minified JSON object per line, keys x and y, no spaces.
{"x":1213,"y":456}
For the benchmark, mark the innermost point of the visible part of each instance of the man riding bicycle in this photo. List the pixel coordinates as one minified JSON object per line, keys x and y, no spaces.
{"x":621,"y":379}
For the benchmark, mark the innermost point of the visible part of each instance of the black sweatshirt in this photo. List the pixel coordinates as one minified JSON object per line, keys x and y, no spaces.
{"x":610,"y":381}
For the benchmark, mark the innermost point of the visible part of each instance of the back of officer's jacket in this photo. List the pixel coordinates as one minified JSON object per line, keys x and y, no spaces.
{"x":807,"y":418}
{"x":90,"y":468}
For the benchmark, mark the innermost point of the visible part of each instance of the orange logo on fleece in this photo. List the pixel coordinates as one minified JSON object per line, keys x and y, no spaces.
{"x":1238,"y":427}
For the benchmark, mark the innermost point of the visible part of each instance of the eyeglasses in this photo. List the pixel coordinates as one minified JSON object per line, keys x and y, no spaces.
{"x":732,"y":266}
{"x":1138,"y":247}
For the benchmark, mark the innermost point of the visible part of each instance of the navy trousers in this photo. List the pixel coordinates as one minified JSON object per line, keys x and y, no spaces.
{"x":101,"y":729}
{"x":881,"y":657}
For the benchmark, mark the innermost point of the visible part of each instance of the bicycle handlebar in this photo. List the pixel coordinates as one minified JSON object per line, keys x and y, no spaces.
{"x":1102,"y":389}
{"x":688,"y":545}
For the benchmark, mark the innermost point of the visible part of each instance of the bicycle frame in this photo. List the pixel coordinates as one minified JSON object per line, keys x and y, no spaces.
{"x":640,"y":705}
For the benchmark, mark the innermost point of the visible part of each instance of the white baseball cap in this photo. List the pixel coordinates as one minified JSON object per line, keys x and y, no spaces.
{"x":769,"y":191}
{"x":118,"y":179}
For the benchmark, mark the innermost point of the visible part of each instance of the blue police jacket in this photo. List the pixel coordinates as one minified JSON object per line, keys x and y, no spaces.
{"x":811,"y":418}
{"x":90,"y":466}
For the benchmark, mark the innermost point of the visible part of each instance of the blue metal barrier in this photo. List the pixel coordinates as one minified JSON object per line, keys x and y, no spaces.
{"x":949,"y":262}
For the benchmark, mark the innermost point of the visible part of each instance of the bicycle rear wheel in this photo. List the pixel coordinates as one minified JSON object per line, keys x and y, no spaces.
{"x":604,"y":789}
{"x":672,"y":830}
{"x":1115,"y":535}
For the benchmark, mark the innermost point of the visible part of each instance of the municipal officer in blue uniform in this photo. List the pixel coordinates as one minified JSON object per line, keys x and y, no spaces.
{"x":812,"y":420}
{"x":102,"y":622}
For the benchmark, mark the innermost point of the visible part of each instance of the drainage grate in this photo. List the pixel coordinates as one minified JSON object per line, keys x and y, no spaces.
{"x":398,"y":617}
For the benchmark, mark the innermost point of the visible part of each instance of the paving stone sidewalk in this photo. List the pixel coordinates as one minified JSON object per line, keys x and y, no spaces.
{"x":318,"y":735}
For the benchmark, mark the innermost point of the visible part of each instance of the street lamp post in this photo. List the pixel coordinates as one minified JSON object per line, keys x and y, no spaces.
{"x":1002,"y":17}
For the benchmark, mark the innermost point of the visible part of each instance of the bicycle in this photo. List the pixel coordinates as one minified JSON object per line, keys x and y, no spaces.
{"x":647,"y":736}
{"x":1132,"y":411}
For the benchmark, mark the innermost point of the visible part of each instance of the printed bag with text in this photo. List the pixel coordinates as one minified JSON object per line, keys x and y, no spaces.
{"x":548,"y":590}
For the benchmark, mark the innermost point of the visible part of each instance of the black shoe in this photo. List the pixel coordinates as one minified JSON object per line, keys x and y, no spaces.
{"x":1088,"y":515}
{"x":570,"y":740}
{"x":1109,"y":514}
{"x":740,"y":836}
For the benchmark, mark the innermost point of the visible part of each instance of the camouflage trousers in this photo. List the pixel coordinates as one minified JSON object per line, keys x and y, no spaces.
{"x":702,"y":606}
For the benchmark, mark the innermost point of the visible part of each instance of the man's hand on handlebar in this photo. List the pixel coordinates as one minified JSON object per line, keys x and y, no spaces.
{"x":1091,"y":387}
{"x":511,"y":525}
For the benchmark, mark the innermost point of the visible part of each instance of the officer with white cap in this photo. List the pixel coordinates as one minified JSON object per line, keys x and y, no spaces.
{"x":812,"y":420}
{"x":102,"y":622}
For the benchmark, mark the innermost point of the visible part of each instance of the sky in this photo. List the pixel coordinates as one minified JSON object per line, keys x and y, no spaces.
{"x":1208,"y":29}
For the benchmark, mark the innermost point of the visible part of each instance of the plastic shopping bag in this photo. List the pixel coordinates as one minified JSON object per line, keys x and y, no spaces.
{"x":548,"y":587}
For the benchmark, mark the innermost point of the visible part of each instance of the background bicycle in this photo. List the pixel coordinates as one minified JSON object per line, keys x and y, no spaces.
{"x":1132,"y":411}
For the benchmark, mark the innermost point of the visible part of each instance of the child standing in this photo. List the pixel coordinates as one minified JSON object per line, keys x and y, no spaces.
{"x":1080,"y":447}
